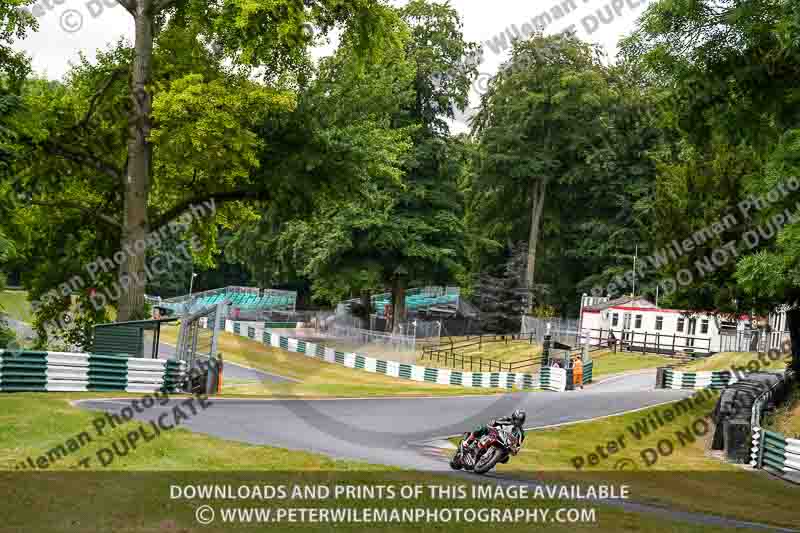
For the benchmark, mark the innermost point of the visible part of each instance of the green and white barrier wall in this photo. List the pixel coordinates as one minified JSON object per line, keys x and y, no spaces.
{"x":776,"y":453}
{"x":552,"y":379}
{"x":674,"y":379}
{"x":29,"y":371}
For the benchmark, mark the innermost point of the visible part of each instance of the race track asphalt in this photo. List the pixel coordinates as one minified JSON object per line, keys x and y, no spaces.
{"x":393,"y":430}
{"x":404,"y":431}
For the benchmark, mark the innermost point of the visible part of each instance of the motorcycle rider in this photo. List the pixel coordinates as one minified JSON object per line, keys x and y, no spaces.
{"x":516,"y":420}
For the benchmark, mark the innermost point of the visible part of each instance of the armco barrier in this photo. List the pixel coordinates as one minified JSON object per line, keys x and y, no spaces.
{"x":75,"y":372}
{"x":552,"y":379}
{"x":772,"y":451}
{"x":674,"y":379}
{"x":776,"y":453}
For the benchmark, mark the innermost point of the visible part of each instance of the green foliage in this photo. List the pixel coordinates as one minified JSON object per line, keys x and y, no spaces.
{"x":208,"y":134}
{"x":404,"y":212}
{"x":541,"y":128}
{"x":15,"y":22}
{"x":732,"y":67}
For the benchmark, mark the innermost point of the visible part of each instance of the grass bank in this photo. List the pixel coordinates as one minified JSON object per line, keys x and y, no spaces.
{"x":316,"y":378}
{"x":736,"y":360}
{"x":786,"y":418}
{"x":608,"y":362}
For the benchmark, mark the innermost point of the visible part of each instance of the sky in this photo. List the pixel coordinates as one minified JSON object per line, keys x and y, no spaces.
{"x":73,"y":26}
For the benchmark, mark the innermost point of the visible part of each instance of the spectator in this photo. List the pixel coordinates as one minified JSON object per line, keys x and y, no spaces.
{"x":612,"y":339}
{"x":577,"y":372}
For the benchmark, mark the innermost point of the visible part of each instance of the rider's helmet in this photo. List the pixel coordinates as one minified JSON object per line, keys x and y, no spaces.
{"x":518,"y":417}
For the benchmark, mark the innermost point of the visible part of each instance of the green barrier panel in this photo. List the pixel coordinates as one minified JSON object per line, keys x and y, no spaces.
{"x":431,"y":375}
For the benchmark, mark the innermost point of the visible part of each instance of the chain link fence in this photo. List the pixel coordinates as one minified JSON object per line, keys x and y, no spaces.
{"x":563,"y":330}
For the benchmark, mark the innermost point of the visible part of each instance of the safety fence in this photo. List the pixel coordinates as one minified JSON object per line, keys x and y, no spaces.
{"x":391,"y":342}
{"x":776,"y":453}
{"x":674,"y":379}
{"x":770,"y":450}
{"x":75,"y":372}
{"x":552,"y":379}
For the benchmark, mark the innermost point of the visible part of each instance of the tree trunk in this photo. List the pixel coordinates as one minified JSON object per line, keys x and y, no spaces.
{"x":366,"y":307}
{"x":793,"y":321}
{"x":538,"y":188}
{"x":398,"y":303}
{"x":137,"y":183}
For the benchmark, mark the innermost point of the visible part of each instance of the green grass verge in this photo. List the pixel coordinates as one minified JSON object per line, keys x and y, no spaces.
{"x":133,"y":493}
{"x":317,"y":378}
{"x":690,"y":477}
{"x":16,"y":305}
{"x":33,"y":423}
{"x":730,"y":360}
{"x":608,"y":362}
{"x":786,"y":419}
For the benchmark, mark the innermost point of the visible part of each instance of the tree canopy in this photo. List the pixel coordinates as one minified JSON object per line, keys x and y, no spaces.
{"x":341,"y":175}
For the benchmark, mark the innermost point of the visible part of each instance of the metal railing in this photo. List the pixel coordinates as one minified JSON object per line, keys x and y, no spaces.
{"x":646,"y":342}
{"x":456,"y":353}
{"x":764,"y":398}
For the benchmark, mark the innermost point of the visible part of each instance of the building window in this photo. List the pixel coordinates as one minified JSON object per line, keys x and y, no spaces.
{"x":704,"y":326}
{"x":614,"y":319}
{"x":659,"y":323}
{"x":638,"y":323}
{"x":680,"y":324}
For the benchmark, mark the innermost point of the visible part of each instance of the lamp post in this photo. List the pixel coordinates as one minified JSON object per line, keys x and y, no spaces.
{"x":191,"y":283}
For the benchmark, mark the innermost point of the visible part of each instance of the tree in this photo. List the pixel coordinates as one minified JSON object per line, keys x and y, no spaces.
{"x":503,"y":296}
{"x":731,"y":68}
{"x":536,"y":124}
{"x":349,"y":106}
{"x":402,"y":224}
{"x":146,"y":133}
{"x":187,"y":41}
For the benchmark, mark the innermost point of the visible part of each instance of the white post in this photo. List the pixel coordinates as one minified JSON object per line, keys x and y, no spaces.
{"x":635,"y":253}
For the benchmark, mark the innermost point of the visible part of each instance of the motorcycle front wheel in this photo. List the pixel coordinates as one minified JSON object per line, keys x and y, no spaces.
{"x":488,"y":460}
{"x":455,"y":462}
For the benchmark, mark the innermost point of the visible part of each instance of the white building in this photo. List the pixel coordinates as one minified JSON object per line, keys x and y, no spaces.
{"x":638,"y":324}
{"x":779,"y":328}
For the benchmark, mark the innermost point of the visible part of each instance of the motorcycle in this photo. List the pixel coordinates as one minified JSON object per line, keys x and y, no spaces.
{"x":497,"y":446}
